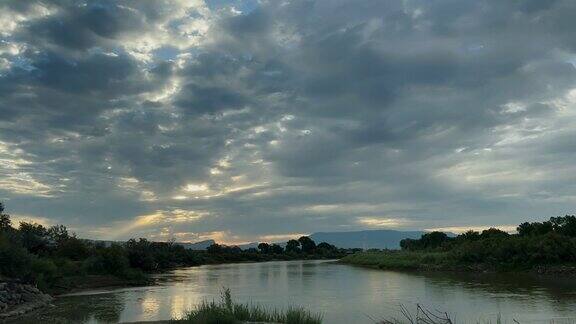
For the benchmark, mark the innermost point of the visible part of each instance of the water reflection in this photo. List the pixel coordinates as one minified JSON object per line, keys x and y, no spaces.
{"x":345,"y":294}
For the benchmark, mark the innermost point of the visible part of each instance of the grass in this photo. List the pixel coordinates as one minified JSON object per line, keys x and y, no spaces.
{"x":226,"y":311}
{"x":423,"y":315}
{"x":405,"y":260}
{"x":420,"y":316}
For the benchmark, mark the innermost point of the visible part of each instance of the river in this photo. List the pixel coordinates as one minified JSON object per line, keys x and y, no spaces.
{"x":343,"y":293}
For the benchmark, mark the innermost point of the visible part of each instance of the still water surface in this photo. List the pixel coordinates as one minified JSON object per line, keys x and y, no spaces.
{"x":343,"y":293}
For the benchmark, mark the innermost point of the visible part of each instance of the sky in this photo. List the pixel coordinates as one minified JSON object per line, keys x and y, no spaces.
{"x":262,"y":120}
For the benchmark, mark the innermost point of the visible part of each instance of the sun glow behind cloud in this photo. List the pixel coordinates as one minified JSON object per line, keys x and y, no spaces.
{"x":161,"y":218}
{"x":17,"y":173}
{"x":382,"y":222}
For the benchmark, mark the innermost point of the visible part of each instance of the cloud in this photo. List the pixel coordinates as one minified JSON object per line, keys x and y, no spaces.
{"x":269,"y":118}
{"x":382,"y":222}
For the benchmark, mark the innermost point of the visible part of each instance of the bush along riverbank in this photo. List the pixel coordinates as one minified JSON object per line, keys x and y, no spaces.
{"x":56,"y":261}
{"x":229,"y":312}
{"x":543,"y":247}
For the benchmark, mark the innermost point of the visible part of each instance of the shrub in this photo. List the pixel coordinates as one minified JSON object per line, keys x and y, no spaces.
{"x":14,"y":260}
{"x":72,"y":248}
{"x":44,"y":272}
{"x":112,"y":260}
{"x":228,"y":312}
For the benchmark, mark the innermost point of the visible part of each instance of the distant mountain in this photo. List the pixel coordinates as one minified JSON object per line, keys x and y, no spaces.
{"x":202,"y":245}
{"x":248,"y":245}
{"x":369,"y":239}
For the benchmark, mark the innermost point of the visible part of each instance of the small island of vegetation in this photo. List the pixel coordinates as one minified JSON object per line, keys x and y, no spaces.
{"x":543,"y":247}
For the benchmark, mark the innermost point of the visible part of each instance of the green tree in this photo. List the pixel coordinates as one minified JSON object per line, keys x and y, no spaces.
{"x":433,"y":239}
{"x":293,"y":246}
{"x":326,"y":246}
{"x":72,"y":248}
{"x":410,"y":244}
{"x":264,"y":248}
{"x":5,"y":222}
{"x":215,"y":249}
{"x":111,"y":260}
{"x":469,"y":236}
{"x":535,"y":228}
{"x":564,"y":225}
{"x":308,"y":245}
{"x":493,"y":233}
{"x":14,"y":259}
{"x":58,"y":233}
{"x":276,"y":249}
{"x":34,"y":237}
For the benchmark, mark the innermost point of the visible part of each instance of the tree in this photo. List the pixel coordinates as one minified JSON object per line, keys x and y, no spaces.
{"x":72,"y":248}
{"x":264,"y":248}
{"x":112,"y":260}
{"x":308,"y":245}
{"x":535,"y":228}
{"x":140,"y":254}
{"x":5,"y":222}
{"x":58,"y":233}
{"x":34,"y":237}
{"x":293,"y":246}
{"x":326,"y":248}
{"x":410,"y":244}
{"x":469,"y":236}
{"x":493,"y":233}
{"x":433,"y":239}
{"x":564,"y":225}
{"x":276,"y":249}
{"x":214,"y":249}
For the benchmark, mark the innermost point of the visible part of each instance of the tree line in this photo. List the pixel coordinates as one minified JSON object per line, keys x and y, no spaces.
{"x":549,"y":242}
{"x":53,"y":258}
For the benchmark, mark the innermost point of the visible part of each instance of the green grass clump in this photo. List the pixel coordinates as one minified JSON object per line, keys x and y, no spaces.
{"x":227,"y":311}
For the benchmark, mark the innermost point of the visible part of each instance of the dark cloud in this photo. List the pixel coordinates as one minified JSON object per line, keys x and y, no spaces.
{"x":239,"y":119}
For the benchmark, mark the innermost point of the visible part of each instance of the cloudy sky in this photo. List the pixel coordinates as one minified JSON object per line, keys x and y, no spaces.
{"x":257,"y":120}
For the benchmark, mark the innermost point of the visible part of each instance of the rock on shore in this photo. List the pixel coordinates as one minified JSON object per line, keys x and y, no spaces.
{"x":17,"y":299}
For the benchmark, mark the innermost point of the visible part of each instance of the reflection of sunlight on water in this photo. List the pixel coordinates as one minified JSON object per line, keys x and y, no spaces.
{"x":179,"y":305}
{"x":182,"y":300}
{"x":344,"y":294}
{"x":150,"y":305}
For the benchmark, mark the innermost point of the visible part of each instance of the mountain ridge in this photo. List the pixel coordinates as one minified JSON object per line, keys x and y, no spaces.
{"x":364,"y":239}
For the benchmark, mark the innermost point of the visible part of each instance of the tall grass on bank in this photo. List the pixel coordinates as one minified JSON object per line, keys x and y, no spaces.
{"x":420,"y":316}
{"x":226,"y":311}
{"x":406,"y":260}
{"x":423,"y":315}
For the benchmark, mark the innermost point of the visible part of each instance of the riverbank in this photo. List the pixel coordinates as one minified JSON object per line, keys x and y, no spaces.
{"x":17,"y":299}
{"x":78,"y":284}
{"x":400,"y":260}
{"x":90,"y":282}
{"x":343,"y":293}
{"x":57,"y":262}
{"x":445,"y":261}
{"x":541,"y":247}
